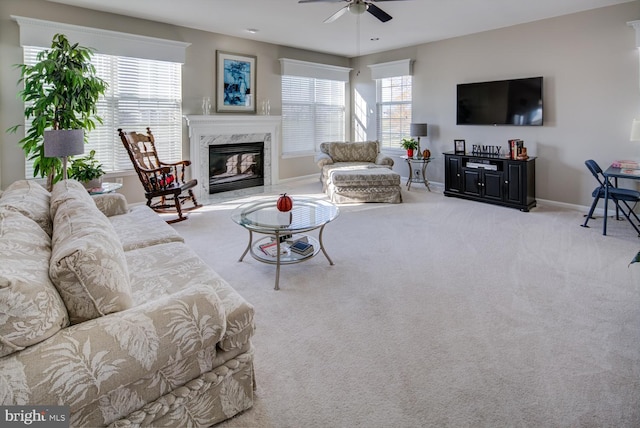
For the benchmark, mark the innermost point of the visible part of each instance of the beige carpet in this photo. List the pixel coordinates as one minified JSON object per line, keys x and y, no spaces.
{"x":440,"y":312}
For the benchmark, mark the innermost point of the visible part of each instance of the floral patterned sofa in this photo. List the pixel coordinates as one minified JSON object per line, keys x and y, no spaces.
{"x":357,"y":172}
{"x":104,"y":308}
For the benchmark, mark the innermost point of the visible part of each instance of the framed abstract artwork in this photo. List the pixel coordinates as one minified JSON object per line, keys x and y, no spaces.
{"x":235,"y":83}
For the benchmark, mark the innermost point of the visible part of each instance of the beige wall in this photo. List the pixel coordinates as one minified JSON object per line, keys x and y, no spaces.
{"x":588,"y":60}
{"x":198,"y":75}
{"x":591,"y":93}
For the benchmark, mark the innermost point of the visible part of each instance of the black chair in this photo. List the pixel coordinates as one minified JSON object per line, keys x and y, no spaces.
{"x":617,"y":195}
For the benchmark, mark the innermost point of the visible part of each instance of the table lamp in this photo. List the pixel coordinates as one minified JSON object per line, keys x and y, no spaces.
{"x":418,"y":130}
{"x":60,"y":143}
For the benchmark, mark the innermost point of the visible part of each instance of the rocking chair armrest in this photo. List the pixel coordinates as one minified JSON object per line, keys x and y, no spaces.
{"x":182,"y":162}
{"x":161,"y":170}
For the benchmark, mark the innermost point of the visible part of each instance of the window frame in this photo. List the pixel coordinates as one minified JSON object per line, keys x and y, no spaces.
{"x":135,"y":98}
{"x":392,"y":140}
{"x":314,"y":108}
{"x":39,"y":33}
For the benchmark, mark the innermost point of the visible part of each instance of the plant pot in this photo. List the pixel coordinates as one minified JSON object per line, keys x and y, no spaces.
{"x":410,"y":153}
{"x":92,"y":184}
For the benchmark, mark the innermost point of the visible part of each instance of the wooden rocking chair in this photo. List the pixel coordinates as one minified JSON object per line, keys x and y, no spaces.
{"x":160,"y":179}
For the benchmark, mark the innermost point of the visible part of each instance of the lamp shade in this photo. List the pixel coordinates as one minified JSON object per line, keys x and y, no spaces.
{"x":635,"y":130}
{"x":63,"y":142}
{"x":418,"y":129}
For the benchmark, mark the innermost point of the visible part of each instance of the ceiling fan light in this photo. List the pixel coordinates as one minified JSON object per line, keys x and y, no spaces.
{"x":358,"y":8}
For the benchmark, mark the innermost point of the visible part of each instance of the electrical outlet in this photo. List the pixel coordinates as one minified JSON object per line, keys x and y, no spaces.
{"x":119,"y":180}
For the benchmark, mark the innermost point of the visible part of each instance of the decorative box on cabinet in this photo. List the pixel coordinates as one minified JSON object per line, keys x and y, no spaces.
{"x":489,"y":178}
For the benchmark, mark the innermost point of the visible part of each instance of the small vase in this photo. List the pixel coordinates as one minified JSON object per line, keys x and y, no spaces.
{"x":206,"y":106}
{"x":409,"y":153}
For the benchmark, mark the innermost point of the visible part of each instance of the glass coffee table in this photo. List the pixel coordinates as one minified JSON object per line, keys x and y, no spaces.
{"x":284,"y":229}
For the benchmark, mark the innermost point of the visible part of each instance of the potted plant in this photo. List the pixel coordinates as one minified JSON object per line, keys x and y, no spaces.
{"x":409,"y":144}
{"x":60,"y":93}
{"x":88,"y":170}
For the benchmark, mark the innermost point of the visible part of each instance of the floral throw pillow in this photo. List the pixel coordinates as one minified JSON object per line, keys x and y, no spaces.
{"x":88,"y":266}
{"x":31,"y":309}
{"x":31,"y":200}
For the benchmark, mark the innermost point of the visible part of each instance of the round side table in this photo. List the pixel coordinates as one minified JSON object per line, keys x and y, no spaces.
{"x":417,"y":176}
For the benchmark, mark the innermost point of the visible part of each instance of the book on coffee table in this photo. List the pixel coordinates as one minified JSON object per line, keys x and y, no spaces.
{"x":303,"y":248}
{"x":271,"y":248}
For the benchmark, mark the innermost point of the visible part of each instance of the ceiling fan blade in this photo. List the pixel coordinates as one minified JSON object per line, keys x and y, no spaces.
{"x":336,"y":15}
{"x":378,"y":13}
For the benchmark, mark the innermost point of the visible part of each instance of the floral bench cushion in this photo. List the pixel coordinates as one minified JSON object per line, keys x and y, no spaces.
{"x":365,"y":177}
{"x":176,"y":267}
{"x":142,"y":227}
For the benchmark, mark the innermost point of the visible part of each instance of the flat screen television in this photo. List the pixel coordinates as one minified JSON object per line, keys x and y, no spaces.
{"x":502,"y":102}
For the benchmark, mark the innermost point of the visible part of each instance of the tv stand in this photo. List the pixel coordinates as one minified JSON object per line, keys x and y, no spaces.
{"x":489,"y":178}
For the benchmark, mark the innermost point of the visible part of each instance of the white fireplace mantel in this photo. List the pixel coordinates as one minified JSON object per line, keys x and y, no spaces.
{"x":205,"y":130}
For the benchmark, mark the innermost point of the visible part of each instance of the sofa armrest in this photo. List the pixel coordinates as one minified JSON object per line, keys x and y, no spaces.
{"x":79,"y":365}
{"x":383,"y":159}
{"x":323,"y":159}
{"x":111,"y":204}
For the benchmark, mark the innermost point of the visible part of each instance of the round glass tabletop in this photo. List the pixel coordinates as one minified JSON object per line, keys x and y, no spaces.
{"x":306,"y":214}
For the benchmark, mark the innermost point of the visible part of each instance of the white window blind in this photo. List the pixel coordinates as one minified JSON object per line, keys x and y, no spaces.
{"x":313,"y":111}
{"x":394,"y":110}
{"x":142,"y":93}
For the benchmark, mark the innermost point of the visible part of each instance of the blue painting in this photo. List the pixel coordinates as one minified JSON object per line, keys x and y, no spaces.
{"x":236,"y":83}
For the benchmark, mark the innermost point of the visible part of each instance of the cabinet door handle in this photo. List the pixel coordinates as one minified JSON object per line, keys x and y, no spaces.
{"x":506,"y":181}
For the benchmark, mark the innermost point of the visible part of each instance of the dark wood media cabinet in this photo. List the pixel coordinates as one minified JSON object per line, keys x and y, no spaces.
{"x":489,"y":178}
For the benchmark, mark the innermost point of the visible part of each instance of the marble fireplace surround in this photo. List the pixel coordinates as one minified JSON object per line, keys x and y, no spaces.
{"x":216,"y":129}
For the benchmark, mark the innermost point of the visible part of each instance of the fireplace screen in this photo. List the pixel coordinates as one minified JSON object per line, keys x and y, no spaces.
{"x":235,"y":166}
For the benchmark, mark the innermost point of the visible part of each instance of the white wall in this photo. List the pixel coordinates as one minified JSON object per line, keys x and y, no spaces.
{"x":591,"y":93}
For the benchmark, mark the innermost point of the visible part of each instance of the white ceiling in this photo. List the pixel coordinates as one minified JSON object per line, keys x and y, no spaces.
{"x":285,"y":22}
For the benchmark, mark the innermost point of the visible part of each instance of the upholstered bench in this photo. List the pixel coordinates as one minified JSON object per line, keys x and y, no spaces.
{"x":363,"y":184}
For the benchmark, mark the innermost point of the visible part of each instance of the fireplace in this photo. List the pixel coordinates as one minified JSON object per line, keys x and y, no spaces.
{"x":218,"y":130}
{"x":235,"y":166}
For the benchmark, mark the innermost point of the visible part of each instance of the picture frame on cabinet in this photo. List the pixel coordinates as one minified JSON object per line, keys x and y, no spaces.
{"x":459,"y":146}
{"x":235,"y":83}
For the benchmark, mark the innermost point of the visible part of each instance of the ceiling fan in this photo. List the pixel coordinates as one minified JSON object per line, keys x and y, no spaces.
{"x":356,"y":7}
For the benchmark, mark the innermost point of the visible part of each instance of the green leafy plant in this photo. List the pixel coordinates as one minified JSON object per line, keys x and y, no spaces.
{"x":60,"y":92}
{"x":86,"y":168}
{"x":409,"y":143}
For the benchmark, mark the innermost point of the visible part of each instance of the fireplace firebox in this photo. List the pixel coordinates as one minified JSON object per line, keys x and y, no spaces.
{"x":235,"y":166}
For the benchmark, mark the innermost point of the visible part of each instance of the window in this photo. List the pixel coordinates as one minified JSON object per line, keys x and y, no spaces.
{"x":394,"y":110}
{"x":313,"y":105}
{"x":142,"y":93}
{"x":313,"y":111}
